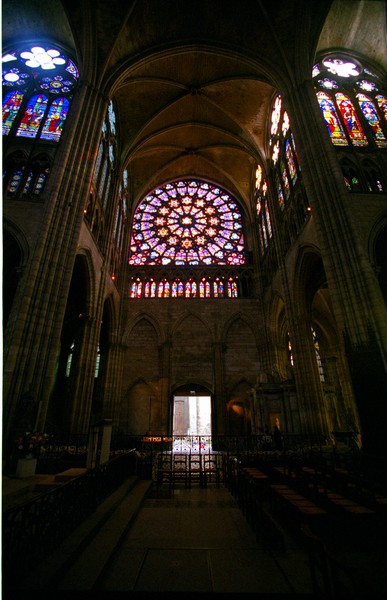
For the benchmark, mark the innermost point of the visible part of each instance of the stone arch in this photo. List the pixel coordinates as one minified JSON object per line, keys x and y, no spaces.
{"x":242,"y":364}
{"x":141,"y":376}
{"x":139,"y":411}
{"x":79,"y":313}
{"x":321,"y":342}
{"x":140,"y":317}
{"x":280,"y":338}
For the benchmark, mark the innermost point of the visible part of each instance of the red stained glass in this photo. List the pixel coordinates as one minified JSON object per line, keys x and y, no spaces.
{"x":351,"y":120}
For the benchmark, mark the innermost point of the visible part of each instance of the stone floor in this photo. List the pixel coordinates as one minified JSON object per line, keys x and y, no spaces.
{"x":192,"y":542}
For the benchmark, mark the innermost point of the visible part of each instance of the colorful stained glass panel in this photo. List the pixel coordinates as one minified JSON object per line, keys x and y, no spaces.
{"x":382,"y":101}
{"x":369,"y":111}
{"x":33,"y":116}
{"x":351,"y":120}
{"x":11,"y":106}
{"x":53,"y":125}
{"x":331,"y":119}
{"x":187,"y":223}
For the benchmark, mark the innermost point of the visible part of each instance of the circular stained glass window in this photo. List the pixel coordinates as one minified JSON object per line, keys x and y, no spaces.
{"x":51,"y":69}
{"x":187,"y":223}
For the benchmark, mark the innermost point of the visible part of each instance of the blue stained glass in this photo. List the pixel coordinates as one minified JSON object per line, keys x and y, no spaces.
{"x":11,"y":106}
{"x":32,"y":116}
{"x":53,"y":125}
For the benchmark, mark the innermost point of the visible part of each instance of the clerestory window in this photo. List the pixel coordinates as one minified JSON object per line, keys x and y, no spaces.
{"x":38,"y":82}
{"x":286,"y":168}
{"x":352,"y":102}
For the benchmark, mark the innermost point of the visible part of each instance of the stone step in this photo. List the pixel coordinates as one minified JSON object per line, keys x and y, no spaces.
{"x":69,"y":474}
{"x":79,"y":561}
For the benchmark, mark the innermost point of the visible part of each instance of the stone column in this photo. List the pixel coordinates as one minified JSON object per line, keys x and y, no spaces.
{"x":36,"y":321}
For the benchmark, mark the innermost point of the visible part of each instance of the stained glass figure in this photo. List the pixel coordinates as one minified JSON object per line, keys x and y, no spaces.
{"x":187,"y":223}
{"x":32,"y":117}
{"x":285,"y":180}
{"x":11,"y":106}
{"x":258,"y":178}
{"x":280,"y":194}
{"x":369,"y":111}
{"x":351,"y":120}
{"x":275,"y":116}
{"x":285,"y":123}
{"x":268,"y":222}
{"x":331,"y":120}
{"x":53,"y":125}
{"x":112,"y":118}
{"x":290,"y":161}
{"x":275,"y":153}
{"x":382,"y":101}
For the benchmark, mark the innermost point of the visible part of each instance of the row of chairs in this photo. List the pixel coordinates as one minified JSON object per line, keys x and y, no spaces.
{"x":189,"y":468}
{"x":337,"y":530}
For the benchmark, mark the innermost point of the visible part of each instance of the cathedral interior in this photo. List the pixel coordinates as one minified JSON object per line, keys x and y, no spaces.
{"x":195,"y":224}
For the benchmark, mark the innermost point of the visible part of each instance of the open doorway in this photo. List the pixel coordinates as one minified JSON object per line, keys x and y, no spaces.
{"x":191,"y":415}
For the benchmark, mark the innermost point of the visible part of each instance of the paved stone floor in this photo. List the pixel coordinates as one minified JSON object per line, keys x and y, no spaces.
{"x":196,"y":542}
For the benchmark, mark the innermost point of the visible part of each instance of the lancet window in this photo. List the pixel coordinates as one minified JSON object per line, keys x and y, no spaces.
{"x":354,"y":108}
{"x":352,"y":102}
{"x":103,"y":178}
{"x":265,"y":232}
{"x":283,"y":152}
{"x":38,"y":82}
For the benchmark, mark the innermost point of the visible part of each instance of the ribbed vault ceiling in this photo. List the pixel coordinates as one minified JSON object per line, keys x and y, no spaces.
{"x":193,"y":80}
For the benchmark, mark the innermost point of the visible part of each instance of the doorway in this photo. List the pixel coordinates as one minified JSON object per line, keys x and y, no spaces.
{"x":191,"y":415}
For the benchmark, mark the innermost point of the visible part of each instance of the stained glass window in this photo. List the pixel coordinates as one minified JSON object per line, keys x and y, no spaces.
{"x":283,"y":153}
{"x":331,"y":119}
{"x":369,"y":111}
{"x":351,"y":120}
{"x":351,"y":116}
{"x":32,"y":116}
{"x":53,"y":125}
{"x":37,"y":75}
{"x":187,"y":223}
{"x":262,"y":210}
{"x":14,"y":181}
{"x":11,"y":106}
{"x":218,"y":287}
{"x":382,"y":102}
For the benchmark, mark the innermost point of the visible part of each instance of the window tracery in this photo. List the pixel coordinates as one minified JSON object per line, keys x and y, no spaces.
{"x":353,"y":106}
{"x":283,"y":153}
{"x":37,"y":85}
{"x":187,"y":223}
{"x":262,"y":210}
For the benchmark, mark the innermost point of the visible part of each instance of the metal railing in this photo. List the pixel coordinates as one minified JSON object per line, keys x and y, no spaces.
{"x":33,"y":529}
